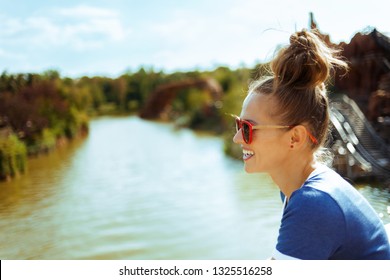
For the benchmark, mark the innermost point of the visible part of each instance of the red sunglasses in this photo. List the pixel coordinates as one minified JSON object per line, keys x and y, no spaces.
{"x":247,"y":129}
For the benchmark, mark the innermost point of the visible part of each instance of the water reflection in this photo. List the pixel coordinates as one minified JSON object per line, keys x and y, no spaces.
{"x":379,"y":198}
{"x":142,"y":190}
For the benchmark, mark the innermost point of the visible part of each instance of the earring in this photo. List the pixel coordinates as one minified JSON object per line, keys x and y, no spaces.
{"x":291,"y":146}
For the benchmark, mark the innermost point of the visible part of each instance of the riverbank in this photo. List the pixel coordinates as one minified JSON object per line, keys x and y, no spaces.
{"x":15,"y":154}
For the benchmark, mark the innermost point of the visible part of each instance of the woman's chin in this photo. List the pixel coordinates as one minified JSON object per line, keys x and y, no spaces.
{"x":250,"y":169}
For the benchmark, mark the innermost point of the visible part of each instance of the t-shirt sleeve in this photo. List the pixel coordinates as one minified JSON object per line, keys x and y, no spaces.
{"x":312,"y":227}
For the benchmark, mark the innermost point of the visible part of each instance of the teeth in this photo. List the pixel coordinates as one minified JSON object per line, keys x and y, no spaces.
{"x":246,"y":152}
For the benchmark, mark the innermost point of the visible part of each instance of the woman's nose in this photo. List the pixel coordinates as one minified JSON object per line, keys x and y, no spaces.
{"x":237,"y":138}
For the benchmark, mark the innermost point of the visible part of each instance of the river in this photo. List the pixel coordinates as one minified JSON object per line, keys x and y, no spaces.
{"x":135,"y":189}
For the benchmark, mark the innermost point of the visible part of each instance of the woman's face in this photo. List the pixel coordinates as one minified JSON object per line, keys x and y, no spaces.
{"x":269,"y":148}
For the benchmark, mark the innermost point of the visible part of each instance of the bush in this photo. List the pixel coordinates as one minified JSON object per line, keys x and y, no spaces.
{"x":13,"y":156}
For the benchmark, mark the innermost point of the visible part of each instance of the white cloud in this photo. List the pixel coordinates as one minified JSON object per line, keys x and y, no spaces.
{"x":78,"y":28}
{"x":234,"y":36}
{"x":93,"y":20}
{"x":84,"y":11}
{"x":11,"y":55}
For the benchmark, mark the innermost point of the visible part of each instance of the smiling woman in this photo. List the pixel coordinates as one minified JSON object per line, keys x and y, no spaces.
{"x":324,"y":217}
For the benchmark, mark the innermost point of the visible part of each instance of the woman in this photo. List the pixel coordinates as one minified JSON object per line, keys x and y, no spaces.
{"x":282,"y":129}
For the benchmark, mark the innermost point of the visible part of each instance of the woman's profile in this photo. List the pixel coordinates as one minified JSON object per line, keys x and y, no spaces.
{"x":282,"y":130}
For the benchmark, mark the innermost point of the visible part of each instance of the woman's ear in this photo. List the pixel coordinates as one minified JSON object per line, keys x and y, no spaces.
{"x":298,"y":137}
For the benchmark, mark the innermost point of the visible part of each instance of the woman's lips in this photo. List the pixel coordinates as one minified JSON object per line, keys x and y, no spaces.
{"x":247,"y":154}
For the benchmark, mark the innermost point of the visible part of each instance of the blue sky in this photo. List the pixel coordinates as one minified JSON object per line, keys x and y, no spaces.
{"x":103,"y":37}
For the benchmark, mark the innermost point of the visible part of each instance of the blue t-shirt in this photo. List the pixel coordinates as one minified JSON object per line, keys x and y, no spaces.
{"x":327,"y":218}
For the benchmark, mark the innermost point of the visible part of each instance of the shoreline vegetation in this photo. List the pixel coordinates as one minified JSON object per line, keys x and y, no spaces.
{"x":39,"y":112}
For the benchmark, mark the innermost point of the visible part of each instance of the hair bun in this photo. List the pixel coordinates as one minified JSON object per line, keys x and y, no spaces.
{"x":305,"y":63}
{"x":299,"y":42}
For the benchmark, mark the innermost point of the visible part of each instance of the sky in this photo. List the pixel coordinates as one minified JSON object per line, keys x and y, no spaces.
{"x":109,"y":38}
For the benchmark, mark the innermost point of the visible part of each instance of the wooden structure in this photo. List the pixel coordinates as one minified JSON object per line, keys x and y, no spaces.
{"x":164,"y":94}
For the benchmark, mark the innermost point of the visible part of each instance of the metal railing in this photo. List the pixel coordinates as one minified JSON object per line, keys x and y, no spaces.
{"x":365,"y":147}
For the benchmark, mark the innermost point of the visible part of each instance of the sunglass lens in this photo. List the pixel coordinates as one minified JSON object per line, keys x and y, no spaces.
{"x":246,"y":132}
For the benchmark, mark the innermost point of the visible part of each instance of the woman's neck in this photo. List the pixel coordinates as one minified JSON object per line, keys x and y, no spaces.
{"x":293,"y":174}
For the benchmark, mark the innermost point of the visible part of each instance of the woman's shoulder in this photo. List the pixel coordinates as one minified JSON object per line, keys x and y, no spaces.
{"x":327,"y":191}
{"x":325,"y":176}
{"x":314,"y":200}
{"x":321,"y":184}
{"x":316,"y":211}
{"x":325,"y":182}
{"x":324,"y":191}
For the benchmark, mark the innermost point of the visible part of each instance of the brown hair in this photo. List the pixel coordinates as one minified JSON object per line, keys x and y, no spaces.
{"x":300,"y":71}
